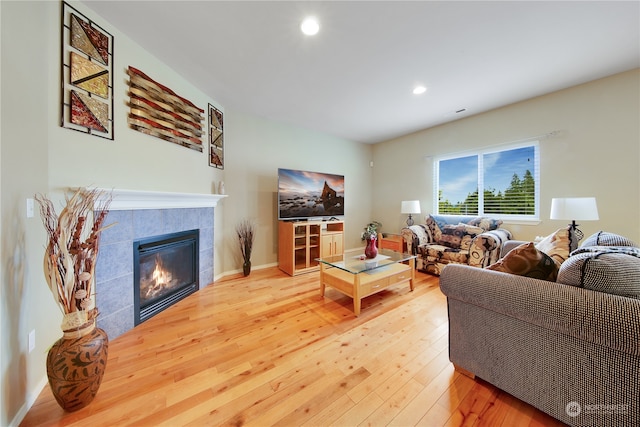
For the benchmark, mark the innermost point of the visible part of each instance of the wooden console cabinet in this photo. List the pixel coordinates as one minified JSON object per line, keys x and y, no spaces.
{"x":301,"y":243}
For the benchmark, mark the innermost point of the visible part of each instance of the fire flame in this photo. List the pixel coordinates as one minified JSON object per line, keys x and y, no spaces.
{"x":161,"y":279}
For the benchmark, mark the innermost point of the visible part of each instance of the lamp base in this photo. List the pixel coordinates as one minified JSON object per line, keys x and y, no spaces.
{"x":575,"y":235}
{"x":409,"y":221}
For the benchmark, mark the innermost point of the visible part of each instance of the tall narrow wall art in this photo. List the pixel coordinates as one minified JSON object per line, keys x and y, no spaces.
{"x":87,"y":75}
{"x":158,"y":111}
{"x":216,"y":138}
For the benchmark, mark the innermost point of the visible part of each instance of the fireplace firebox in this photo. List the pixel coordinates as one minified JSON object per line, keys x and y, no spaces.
{"x":165,"y":271}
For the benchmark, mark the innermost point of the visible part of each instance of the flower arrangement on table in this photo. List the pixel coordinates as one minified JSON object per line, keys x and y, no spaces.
{"x":371,"y":230}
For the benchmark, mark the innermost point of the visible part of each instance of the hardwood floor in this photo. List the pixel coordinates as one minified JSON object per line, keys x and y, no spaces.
{"x":268,"y":350}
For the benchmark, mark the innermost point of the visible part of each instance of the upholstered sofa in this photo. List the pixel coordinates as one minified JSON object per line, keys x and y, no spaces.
{"x":570,"y":348}
{"x":459,"y":239}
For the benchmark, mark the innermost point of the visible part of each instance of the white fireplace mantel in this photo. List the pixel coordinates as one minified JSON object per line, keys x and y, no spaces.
{"x":137,"y":199}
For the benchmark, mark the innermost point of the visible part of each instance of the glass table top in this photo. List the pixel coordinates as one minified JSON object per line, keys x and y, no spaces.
{"x":355,"y":262}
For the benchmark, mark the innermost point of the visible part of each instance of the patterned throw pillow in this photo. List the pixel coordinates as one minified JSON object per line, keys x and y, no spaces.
{"x":451,"y":236}
{"x":526,"y":260}
{"x":470,"y":233}
{"x":603,"y":238}
{"x":487,"y":224}
{"x":459,"y":236}
{"x":434,"y":229}
{"x":556,"y":245}
{"x":610,"y":269}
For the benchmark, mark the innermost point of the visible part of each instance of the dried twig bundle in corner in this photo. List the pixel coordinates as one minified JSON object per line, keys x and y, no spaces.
{"x":245,"y":232}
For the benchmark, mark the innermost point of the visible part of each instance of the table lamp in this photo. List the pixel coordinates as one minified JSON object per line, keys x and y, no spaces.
{"x":574,"y":208}
{"x":410,"y":207}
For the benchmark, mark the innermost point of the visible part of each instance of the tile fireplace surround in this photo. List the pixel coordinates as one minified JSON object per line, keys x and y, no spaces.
{"x":140,"y":214}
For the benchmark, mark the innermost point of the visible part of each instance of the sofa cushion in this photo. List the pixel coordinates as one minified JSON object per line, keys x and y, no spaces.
{"x":443,"y":254}
{"x":556,"y":245}
{"x":603,"y":238}
{"x":526,"y":260}
{"x":610,"y":269}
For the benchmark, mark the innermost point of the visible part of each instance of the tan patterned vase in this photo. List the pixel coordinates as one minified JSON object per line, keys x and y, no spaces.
{"x":75,"y":366}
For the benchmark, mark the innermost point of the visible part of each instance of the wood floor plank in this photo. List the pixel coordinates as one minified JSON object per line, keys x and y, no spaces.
{"x":415,"y":410}
{"x":269,"y":350}
{"x":392,"y":405}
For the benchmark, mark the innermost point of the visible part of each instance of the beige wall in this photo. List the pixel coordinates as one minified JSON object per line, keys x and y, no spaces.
{"x":596,"y":153}
{"x":598,"y":120}
{"x":40,"y":157}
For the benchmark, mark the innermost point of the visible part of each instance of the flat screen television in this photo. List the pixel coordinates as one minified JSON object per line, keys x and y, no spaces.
{"x":306,"y":195}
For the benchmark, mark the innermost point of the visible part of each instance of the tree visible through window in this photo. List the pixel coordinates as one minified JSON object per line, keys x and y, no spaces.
{"x":508,"y":180}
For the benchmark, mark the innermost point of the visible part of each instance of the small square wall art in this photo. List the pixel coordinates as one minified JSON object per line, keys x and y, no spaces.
{"x":87,"y":75}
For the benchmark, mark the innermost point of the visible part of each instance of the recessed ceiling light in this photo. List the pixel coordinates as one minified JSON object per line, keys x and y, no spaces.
{"x":419,"y":89}
{"x":310,"y":26}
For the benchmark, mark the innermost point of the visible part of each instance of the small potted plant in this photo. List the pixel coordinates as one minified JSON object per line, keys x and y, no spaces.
{"x":371,"y":230}
{"x":370,"y":235}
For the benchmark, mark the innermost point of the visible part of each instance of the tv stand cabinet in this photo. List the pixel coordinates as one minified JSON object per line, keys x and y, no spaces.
{"x":301,"y":243}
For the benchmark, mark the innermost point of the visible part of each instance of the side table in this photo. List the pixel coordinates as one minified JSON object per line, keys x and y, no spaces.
{"x":395,"y":242}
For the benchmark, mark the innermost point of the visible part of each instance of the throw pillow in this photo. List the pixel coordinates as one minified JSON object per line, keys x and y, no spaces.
{"x":526,"y":260}
{"x":434,"y":229}
{"x":470,"y":233}
{"x":556,"y":245}
{"x":603,"y":238}
{"x":451,"y":236}
{"x":610,"y":269}
{"x":487,"y":224}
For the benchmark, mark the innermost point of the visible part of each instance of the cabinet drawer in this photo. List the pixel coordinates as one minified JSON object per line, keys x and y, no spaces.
{"x":373,"y":286}
{"x":400,"y":277}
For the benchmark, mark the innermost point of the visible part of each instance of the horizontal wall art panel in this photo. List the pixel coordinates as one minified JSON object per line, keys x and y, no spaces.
{"x":87,"y":75}
{"x":158,"y":111}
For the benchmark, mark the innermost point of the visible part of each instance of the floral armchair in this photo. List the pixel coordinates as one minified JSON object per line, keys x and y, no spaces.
{"x":459,"y":239}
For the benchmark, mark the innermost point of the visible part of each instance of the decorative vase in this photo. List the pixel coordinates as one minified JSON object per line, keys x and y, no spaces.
{"x":75,"y":366}
{"x":246,"y":267}
{"x":371,"y":251}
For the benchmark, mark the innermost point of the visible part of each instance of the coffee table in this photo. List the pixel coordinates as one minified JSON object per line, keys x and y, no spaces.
{"x":358,"y":277}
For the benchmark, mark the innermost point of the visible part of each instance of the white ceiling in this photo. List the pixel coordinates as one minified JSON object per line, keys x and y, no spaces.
{"x":355,"y":78}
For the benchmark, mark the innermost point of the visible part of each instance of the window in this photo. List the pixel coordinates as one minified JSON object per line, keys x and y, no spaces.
{"x":508,"y":179}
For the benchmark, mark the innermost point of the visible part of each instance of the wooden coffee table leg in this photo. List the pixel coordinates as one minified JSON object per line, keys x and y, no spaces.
{"x":412,"y":265}
{"x":356,"y":294}
{"x":321,"y":279}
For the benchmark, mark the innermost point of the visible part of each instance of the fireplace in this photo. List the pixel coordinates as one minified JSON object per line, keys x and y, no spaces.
{"x":165,"y":271}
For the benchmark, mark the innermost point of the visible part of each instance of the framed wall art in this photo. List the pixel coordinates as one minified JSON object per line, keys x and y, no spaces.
{"x":158,"y":111}
{"x":87,"y":75}
{"x":216,"y":138}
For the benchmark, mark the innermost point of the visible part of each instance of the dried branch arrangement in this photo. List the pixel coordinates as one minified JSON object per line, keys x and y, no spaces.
{"x":71,"y":253}
{"x":245,"y":237}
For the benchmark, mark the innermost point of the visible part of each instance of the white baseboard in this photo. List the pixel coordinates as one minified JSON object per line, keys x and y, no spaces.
{"x":31,"y":399}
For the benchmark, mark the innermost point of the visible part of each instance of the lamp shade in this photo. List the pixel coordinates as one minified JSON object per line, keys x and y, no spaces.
{"x":410,"y":207}
{"x":574,"y":208}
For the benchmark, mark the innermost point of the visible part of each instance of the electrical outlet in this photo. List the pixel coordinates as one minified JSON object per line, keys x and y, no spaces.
{"x":32,"y":340}
{"x":29,"y":208}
